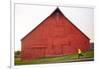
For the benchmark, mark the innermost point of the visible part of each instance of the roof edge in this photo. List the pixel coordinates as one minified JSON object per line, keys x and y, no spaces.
{"x":57,"y":8}
{"x":39,"y":24}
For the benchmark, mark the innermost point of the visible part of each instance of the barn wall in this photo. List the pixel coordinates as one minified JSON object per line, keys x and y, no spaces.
{"x":55,"y":36}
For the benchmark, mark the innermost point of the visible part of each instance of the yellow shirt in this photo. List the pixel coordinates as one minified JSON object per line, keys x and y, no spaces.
{"x":79,"y":51}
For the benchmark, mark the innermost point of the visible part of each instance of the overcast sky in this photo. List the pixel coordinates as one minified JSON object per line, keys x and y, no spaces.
{"x":27,"y":17}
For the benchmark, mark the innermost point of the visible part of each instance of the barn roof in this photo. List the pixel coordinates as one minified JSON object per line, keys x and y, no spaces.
{"x":56,"y":10}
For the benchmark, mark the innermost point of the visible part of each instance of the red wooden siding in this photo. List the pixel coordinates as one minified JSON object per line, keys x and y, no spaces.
{"x":55,"y":36}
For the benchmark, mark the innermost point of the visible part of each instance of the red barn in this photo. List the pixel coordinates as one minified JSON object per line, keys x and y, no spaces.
{"x":55,"y":36}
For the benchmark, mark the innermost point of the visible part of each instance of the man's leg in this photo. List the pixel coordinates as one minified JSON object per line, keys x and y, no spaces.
{"x":81,"y":54}
{"x":78,"y":56}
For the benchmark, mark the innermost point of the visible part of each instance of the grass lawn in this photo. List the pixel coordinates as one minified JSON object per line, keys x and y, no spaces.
{"x":66,"y":58}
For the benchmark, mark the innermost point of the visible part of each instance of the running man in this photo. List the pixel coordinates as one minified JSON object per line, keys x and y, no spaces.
{"x":79,"y":53}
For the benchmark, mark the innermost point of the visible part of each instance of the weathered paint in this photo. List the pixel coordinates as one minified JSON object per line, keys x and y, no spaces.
{"x":55,"y":36}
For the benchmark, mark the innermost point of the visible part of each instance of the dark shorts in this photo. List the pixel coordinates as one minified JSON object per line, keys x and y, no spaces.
{"x":80,"y":54}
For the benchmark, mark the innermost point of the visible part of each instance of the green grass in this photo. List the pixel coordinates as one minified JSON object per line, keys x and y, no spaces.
{"x":89,"y":54}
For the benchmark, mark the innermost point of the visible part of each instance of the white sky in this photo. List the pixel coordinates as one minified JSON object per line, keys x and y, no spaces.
{"x":27,"y":17}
